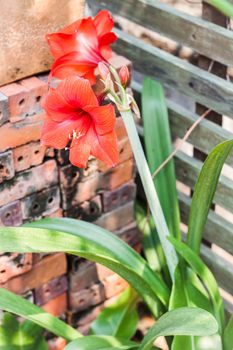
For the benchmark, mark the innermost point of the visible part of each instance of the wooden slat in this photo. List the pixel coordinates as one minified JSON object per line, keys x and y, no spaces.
{"x":217,"y":229}
{"x":205,"y":88}
{"x":205,"y":137}
{"x":187,"y":170}
{"x":206,"y":38}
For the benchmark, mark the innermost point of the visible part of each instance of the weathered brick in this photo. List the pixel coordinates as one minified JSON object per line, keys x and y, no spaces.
{"x":11,"y":214}
{"x":113,"y":285}
{"x":84,"y":276}
{"x":113,"y":199}
{"x":87,"y":211}
{"x":117,"y":218}
{"x":130,"y":234}
{"x":36,"y":89}
{"x":45,"y":270}
{"x":56,"y":214}
{"x":51,"y":290}
{"x":56,"y":344}
{"x":4,"y":111}
{"x":28,"y":182}
{"x":18,"y":100}
{"x":84,"y":190}
{"x":56,"y":306}
{"x":87,"y":297}
{"x":28,"y":155}
{"x":6,"y":166}
{"x":41,"y":203}
{"x":19,"y":265}
{"x":17,"y":134}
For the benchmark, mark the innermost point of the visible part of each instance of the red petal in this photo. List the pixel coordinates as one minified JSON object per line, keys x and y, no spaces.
{"x":105,"y":148}
{"x":104,"y":118}
{"x":103,"y":22}
{"x":80,"y":152}
{"x":57,"y":134}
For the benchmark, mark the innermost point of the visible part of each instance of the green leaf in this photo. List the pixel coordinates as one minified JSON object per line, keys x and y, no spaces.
{"x":91,"y":242}
{"x":100,"y":342}
{"x":228,"y":335}
{"x":120,"y":319}
{"x":222,"y":5}
{"x":21,"y":307}
{"x":182,"y":321}
{"x":18,"y":336}
{"x":204,"y":192}
{"x":206,"y":277}
{"x":158,"y":146}
{"x":151,"y":244}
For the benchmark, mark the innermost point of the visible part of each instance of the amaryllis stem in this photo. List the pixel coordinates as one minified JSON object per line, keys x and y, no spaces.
{"x":150,"y":191}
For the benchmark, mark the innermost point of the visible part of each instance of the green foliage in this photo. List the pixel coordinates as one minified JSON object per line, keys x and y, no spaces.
{"x":228,"y":335}
{"x":91,"y":242}
{"x":158,"y":147}
{"x":20,"y":336}
{"x":18,"y":305}
{"x":120,"y":319}
{"x":100,"y":342}
{"x":182,"y":321}
{"x":222,"y":5}
{"x":204,"y":192}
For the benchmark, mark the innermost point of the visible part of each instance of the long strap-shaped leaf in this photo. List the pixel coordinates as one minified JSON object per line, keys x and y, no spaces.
{"x":204,"y":192}
{"x":21,"y":307}
{"x":228,"y":335}
{"x":91,"y":242}
{"x":182,"y":321}
{"x":99,"y":342}
{"x":205,"y":275}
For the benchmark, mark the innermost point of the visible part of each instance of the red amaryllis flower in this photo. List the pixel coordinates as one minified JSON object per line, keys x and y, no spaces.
{"x":73,"y":114}
{"x":79,"y":48}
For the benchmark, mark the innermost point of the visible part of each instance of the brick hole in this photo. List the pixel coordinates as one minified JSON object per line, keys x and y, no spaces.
{"x":35,"y":207}
{"x":28,"y":263}
{"x":191,"y":84}
{"x":38,"y":98}
{"x":20,"y":158}
{"x":19,"y":266}
{"x":3,"y":271}
{"x":194,"y":36}
{"x":114,"y":198}
{"x":93,"y":208}
{"x":58,"y":285}
{"x":21,"y":102}
{"x":7,"y":215}
{"x":47,"y":291}
{"x":0,"y":114}
{"x":81,"y":301}
{"x":37,"y":151}
{"x":122,"y":150}
{"x":1,"y":167}
{"x":125,"y":196}
{"x":50,"y":200}
{"x":74,"y":175}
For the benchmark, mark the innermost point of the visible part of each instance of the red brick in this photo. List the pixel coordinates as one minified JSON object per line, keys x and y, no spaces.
{"x":17,"y":134}
{"x":18,"y":99}
{"x":56,"y":344}
{"x":51,"y":290}
{"x":28,"y":155}
{"x":45,"y":270}
{"x":56,"y":214}
{"x":85,"y":276}
{"x":28,"y":182}
{"x":56,"y":306}
{"x":87,"y":297}
{"x":4,"y":111}
{"x":7,"y":170}
{"x":114,"y":285}
{"x":11,"y":214}
{"x":118,"y":218}
{"x":18,"y":266}
{"x":113,"y":199}
{"x":41,"y":203}
{"x":87,"y":211}
{"x":36,"y":89}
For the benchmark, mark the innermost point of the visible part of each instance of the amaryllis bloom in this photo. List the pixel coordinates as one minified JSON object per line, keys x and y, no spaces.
{"x":73,"y":115}
{"x":79,"y":48}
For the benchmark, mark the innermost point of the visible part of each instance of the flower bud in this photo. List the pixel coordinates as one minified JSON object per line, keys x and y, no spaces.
{"x":124,"y":75}
{"x":103,"y":70}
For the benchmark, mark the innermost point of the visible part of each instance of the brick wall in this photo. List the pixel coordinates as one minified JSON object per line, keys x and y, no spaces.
{"x":36,"y":182}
